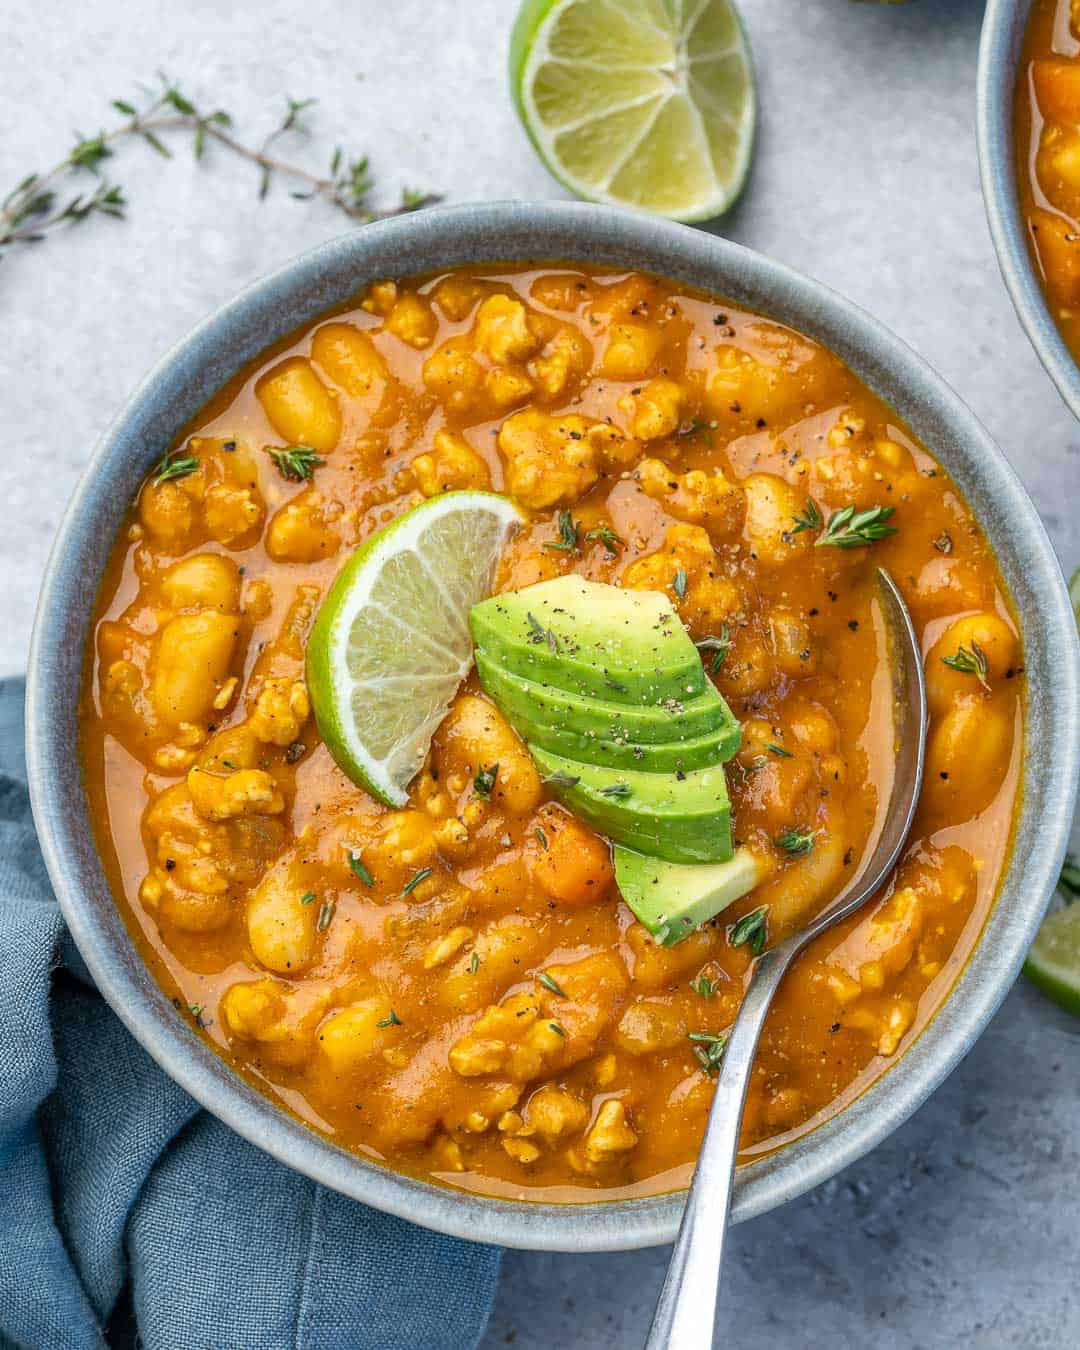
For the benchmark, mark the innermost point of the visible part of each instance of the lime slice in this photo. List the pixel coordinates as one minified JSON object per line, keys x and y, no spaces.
{"x":391,"y":643}
{"x":1053,"y":963}
{"x":646,"y":103}
{"x":1054,"y":960}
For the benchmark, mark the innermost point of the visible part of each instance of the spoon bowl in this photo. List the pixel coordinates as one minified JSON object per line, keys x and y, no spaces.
{"x":686,"y":1310}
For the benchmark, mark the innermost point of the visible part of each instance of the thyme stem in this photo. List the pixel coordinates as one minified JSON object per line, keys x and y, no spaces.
{"x":31,"y":209}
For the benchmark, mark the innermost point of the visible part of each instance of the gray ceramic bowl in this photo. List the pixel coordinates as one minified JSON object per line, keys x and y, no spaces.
{"x":190,"y":374}
{"x":999,"y":53}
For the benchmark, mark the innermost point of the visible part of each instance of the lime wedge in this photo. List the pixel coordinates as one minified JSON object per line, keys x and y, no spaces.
{"x":1054,"y":960}
{"x":646,"y":103}
{"x":1053,"y":963}
{"x":391,"y":643}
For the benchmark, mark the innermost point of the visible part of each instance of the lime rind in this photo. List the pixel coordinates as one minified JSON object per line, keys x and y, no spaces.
{"x":1053,"y":964}
{"x":391,"y":644}
{"x":646,"y":103}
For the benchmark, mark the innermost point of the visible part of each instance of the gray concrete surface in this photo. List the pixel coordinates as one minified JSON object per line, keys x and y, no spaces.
{"x":964,"y":1228}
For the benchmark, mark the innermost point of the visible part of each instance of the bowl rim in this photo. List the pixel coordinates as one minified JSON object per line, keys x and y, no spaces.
{"x":522,"y":231}
{"x":1003,"y":28}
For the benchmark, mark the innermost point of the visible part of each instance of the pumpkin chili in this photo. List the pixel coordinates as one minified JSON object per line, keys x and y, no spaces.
{"x":455,"y":987}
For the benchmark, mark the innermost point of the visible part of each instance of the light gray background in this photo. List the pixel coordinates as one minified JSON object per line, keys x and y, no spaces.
{"x":964,"y":1228}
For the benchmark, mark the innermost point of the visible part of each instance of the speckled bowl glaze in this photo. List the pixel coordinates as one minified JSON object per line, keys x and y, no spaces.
{"x":999,"y":53}
{"x":435,"y":239}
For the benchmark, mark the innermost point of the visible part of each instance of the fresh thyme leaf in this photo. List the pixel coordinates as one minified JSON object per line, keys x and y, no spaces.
{"x":970,"y":662}
{"x":752,"y":928}
{"x":701,"y":984}
{"x":326,"y":913}
{"x":228,"y":764}
{"x":610,"y":540}
{"x":549,"y":982}
{"x":484,"y":782}
{"x":557,"y":1028}
{"x":393,"y":1020}
{"x":296,"y":462}
{"x":474,"y":963}
{"x":709,"y":1047}
{"x":796,"y":841}
{"x":542,"y":634}
{"x":614,"y":684}
{"x":417,"y":878}
{"x":542,"y":837}
{"x":775,"y":749}
{"x":566,"y":780}
{"x":809,"y":520}
{"x":356,"y":866}
{"x":569,"y":534}
{"x":720,"y":645}
{"x":307,"y":898}
{"x":619,"y":791}
{"x":174,"y":465}
{"x":1069,"y":881}
{"x":196,"y":1011}
{"x":679,"y":584}
{"x":848,"y":528}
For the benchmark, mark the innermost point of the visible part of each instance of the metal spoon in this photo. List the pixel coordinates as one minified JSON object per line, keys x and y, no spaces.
{"x":686,"y":1310}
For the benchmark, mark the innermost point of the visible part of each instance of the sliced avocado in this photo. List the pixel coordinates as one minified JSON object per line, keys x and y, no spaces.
{"x":670,"y":757}
{"x":587,"y":638}
{"x":652,"y":739}
{"x":677,"y":720}
{"x":683,"y":818}
{"x":673,"y":900}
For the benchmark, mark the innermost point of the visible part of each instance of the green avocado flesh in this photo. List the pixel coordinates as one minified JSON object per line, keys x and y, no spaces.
{"x":693,"y":734}
{"x":672,"y":900}
{"x":591,"y":640}
{"x":684,"y":818}
{"x":609,"y":692}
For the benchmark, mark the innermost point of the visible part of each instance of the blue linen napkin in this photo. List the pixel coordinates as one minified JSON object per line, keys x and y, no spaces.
{"x":115,"y":1186}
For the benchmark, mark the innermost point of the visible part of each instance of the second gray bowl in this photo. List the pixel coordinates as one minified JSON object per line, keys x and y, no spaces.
{"x":1003,"y":30}
{"x":518,"y":232}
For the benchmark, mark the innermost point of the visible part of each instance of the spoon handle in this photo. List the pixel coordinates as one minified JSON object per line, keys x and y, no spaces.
{"x":686,"y":1310}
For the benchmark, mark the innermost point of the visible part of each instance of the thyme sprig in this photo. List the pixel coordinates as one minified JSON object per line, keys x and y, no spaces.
{"x":296,"y":462}
{"x":569,"y":540}
{"x":709,"y":1047}
{"x":174,"y":465}
{"x":702,"y":985}
{"x":848,"y":528}
{"x":752,"y":929}
{"x":719,"y":646}
{"x":796,"y":841}
{"x":970,"y":661}
{"x":809,"y":520}
{"x":42,"y":202}
{"x":605,"y":535}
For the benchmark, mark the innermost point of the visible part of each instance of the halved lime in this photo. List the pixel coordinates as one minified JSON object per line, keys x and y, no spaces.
{"x":391,"y":643}
{"x":1054,"y":960}
{"x":646,"y":103}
